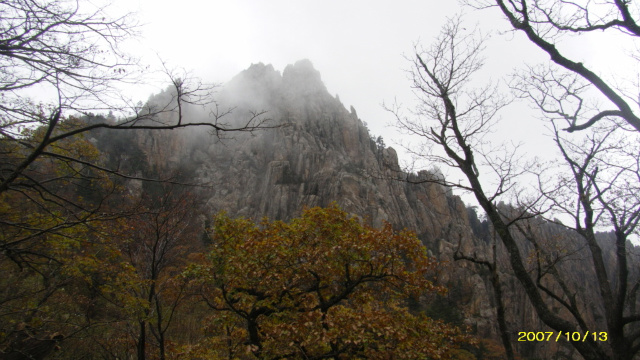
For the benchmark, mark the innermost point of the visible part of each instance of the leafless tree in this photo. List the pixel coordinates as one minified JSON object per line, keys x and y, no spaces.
{"x":460,"y":118}
{"x":599,"y":191}
{"x":597,"y":188}
{"x":496,"y":283}
{"x":546,"y":22}
{"x":159,"y":241}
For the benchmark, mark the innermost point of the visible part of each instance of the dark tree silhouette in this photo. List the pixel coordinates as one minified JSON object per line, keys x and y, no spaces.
{"x":597,"y":185}
{"x":545,"y":23}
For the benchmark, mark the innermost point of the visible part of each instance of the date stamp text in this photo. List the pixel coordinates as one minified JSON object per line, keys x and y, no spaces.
{"x":561,"y":335}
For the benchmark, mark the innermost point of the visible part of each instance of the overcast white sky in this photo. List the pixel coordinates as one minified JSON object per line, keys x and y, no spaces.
{"x":356,"y":45}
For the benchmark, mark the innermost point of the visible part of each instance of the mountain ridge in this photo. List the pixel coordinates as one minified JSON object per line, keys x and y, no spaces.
{"x":323,"y":153}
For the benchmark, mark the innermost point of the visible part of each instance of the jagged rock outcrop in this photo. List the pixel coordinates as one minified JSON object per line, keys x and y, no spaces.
{"x":323,"y":153}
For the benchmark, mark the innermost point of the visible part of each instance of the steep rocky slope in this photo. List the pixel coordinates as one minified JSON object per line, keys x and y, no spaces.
{"x":323,"y":153}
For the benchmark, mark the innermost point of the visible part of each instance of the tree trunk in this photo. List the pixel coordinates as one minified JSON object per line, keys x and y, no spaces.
{"x":142,"y":340}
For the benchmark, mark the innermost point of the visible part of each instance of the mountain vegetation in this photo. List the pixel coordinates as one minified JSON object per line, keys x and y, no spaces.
{"x":286,"y":230}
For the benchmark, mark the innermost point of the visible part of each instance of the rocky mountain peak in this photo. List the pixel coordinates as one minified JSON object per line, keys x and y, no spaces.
{"x":321,"y":153}
{"x":303,"y":79}
{"x":258,"y":74}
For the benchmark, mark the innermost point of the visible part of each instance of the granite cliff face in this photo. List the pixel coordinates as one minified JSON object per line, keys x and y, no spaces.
{"x":323,"y":153}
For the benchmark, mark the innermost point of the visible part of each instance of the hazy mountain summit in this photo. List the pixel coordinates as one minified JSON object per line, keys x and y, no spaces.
{"x":322,"y":153}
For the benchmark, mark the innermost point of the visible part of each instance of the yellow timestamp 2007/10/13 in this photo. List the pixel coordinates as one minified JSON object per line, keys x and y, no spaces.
{"x":568,"y":336}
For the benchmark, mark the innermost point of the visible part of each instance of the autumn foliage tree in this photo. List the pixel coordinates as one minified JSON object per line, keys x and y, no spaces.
{"x":321,"y":286}
{"x":45,"y":232}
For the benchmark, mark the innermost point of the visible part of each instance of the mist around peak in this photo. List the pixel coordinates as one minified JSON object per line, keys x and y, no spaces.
{"x":303,"y":79}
